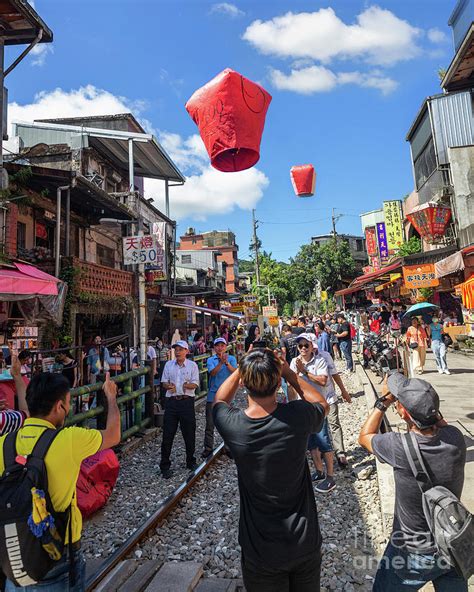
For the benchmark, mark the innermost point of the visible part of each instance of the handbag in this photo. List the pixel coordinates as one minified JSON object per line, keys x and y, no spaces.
{"x":413,"y":345}
{"x":446,"y":339}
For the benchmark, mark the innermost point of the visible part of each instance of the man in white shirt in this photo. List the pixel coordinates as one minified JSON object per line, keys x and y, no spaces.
{"x":180,"y":378}
{"x":313,"y":368}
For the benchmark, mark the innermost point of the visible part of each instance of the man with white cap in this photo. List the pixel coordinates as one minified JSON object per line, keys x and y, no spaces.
{"x":313,"y":368}
{"x":411,"y":558}
{"x":220,"y":366}
{"x":180,"y":378}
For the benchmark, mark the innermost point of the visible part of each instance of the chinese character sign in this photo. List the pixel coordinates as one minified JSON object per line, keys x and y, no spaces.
{"x":158,"y":231}
{"x":140,"y":249}
{"x":392,"y":211}
{"x":420,"y":276}
{"x":382,"y":242}
{"x":431,"y":221}
{"x":371,"y":241}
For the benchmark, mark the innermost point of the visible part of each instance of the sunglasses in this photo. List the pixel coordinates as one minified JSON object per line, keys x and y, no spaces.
{"x":303,"y":345}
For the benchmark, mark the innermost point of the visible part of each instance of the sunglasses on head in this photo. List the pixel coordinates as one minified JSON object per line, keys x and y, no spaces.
{"x":301,"y":345}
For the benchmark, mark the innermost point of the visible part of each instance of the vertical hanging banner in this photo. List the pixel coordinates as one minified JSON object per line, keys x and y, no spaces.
{"x":157,"y":271}
{"x":392,"y":211}
{"x":382,"y":242}
{"x":371,"y":241}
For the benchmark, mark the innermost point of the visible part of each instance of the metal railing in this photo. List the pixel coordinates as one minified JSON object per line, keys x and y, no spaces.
{"x":136,"y":401}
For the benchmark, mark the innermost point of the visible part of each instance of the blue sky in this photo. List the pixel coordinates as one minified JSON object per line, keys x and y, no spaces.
{"x":347,"y":79}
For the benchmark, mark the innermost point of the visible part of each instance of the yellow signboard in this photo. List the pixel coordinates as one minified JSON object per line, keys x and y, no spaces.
{"x":392,"y":211}
{"x":324,"y":296}
{"x":273,"y":321}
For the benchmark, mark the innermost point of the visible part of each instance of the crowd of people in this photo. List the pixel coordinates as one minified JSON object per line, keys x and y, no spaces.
{"x":292,"y":415}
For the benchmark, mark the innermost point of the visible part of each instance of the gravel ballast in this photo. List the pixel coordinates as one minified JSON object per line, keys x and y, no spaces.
{"x":204,"y":526}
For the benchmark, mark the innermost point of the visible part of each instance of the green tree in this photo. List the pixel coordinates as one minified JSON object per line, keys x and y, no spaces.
{"x":327,"y":264}
{"x":274,"y":274}
{"x":246,"y":266}
{"x":409,"y":247}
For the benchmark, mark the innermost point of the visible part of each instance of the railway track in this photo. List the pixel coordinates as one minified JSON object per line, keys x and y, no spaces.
{"x":103,"y":577}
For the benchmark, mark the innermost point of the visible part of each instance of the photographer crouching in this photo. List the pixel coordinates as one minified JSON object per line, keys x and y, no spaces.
{"x":279,"y":529}
{"x":431,"y":454}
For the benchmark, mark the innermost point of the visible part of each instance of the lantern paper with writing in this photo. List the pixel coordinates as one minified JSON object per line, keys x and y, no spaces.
{"x":431,"y":221}
{"x":303,"y":178}
{"x":230,"y":113}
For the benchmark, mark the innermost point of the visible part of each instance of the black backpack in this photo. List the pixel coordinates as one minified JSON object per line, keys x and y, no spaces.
{"x":25,"y":558}
{"x":450,"y":523}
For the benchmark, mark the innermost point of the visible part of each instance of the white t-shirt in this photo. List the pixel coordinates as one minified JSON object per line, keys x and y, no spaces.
{"x":151,"y":353}
{"x":319,"y":367}
{"x":330,"y":388}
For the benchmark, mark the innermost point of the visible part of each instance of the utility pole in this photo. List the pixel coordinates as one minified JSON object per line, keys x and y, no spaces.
{"x":255,"y":246}
{"x":335,"y":217}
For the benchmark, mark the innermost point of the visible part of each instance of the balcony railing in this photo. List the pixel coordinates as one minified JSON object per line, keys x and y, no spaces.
{"x":101,"y":280}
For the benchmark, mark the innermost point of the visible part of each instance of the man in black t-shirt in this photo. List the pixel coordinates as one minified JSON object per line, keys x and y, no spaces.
{"x":345,"y":340}
{"x":279,"y":529}
{"x":288,"y":343}
{"x":411,"y":558}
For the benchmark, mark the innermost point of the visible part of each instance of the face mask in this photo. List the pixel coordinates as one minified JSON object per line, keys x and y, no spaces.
{"x":435,"y":320}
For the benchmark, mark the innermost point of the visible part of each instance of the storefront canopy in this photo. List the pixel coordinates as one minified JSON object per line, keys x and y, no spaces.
{"x":169,"y":303}
{"x":368,"y":278}
{"x":25,"y":281}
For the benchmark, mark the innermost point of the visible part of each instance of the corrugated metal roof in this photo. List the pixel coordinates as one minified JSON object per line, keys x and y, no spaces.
{"x":452,"y":122}
{"x":150,"y":159}
{"x":21,"y":23}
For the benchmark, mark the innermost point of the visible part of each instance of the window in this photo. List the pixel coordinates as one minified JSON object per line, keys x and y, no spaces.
{"x":359,"y":245}
{"x":425,"y":164}
{"x":21,"y":235}
{"x":105,"y":256}
{"x":186,"y":259}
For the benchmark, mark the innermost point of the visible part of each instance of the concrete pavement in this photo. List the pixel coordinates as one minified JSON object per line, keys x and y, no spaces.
{"x":456,"y":393}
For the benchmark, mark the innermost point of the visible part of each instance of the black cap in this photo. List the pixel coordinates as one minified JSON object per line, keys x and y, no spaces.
{"x":417,"y":396}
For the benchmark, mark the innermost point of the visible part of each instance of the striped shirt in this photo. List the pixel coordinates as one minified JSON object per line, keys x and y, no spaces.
{"x":11,"y":421}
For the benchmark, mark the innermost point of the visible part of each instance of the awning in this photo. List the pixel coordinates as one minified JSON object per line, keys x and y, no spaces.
{"x":26,"y":280}
{"x":149,"y":157}
{"x":467,"y":293}
{"x":168,"y":303}
{"x":448,"y":265}
{"x":362,"y":280}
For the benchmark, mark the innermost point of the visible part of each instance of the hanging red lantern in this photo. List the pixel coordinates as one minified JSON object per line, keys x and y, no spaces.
{"x":431,"y":221}
{"x":230,"y":113}
{"x":303,"y":178}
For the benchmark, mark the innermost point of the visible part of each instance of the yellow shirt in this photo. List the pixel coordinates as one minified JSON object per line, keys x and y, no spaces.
{"x":63,"y":461}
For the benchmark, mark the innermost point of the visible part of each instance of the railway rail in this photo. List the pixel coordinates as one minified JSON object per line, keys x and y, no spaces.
{"x":165,"y":508}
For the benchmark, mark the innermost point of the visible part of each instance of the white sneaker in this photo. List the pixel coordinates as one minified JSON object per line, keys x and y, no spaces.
{"x":447,"y":371}
{"x":440,"y":371}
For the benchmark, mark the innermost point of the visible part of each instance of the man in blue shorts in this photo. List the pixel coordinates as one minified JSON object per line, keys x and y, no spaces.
{"x":313,"y":368}
{"x":220,"y":366}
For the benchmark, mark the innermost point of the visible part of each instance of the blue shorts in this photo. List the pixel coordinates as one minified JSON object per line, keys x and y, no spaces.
{"x":321,"y":439}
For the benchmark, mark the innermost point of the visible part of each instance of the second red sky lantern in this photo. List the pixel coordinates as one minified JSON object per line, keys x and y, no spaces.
{"x":303,"y":178}
{"x":230,"y":113}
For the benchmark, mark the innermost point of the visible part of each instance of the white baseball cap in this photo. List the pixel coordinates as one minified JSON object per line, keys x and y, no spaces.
{"x":181,"y":343}
{"x":311,"y":337}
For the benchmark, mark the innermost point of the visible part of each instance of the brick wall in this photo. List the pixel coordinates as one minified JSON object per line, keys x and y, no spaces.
{"x":11,"y":230}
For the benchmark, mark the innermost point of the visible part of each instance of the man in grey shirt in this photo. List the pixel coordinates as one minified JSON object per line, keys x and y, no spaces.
{"x":411,"y":559}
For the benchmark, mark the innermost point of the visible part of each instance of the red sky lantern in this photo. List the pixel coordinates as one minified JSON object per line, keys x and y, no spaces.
{"x":431,"y":221}
{"x":230,"y":113}
{"x":303,"y":178}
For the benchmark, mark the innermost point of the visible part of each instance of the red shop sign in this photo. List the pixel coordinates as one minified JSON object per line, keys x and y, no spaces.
{"x":371,"y":241}
{"x":230,"y":113}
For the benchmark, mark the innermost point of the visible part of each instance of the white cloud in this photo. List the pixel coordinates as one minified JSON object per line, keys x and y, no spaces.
{"x":314,"y":79}
{"x":436,"y":35}
{"x":81,"y":102}
{"x":379,"y":37}
{"x":207,"y":191}
{"x":40,"y":52}
{"x":227,"y":9}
